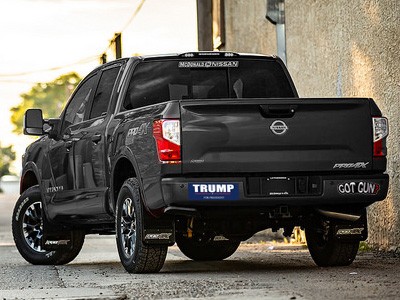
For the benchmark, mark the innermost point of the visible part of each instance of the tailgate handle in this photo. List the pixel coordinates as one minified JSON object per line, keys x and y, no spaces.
{"x":277,"y":111}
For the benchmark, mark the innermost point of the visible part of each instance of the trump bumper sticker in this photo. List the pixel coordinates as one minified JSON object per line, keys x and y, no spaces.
{"x":213,"y":191}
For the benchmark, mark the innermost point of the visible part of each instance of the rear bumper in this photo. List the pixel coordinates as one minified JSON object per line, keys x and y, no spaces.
{"x":234,"y":192}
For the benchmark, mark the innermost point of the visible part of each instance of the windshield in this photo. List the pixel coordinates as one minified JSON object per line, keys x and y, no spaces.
{"x":159,"y":81}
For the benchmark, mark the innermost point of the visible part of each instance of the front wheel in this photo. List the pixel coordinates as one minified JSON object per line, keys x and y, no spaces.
{"x":135,"y":256}
{"x":27,"y":228}
{"x":328,"y":251}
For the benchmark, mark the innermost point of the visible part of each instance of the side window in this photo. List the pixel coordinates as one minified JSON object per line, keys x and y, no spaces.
{"x":149,"y":84}
{"x":103,"y":92}
{"x":75,"y":111}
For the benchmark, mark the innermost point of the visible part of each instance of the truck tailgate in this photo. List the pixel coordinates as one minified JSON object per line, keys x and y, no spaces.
{"x":275,"y":135}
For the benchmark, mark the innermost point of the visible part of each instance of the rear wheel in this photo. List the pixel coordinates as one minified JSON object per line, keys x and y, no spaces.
{"x":328,"y":251}
{"x":135,"y":256}
{"x":199,"y":250}
{"x":27,"y":228}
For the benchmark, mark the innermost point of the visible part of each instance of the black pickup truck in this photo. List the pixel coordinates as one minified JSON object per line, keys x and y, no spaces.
{"x":203,"y":149}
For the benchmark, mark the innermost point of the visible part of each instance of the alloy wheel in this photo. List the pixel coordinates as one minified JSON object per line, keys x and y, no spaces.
{"x":32,"y":226}
{"x":128,"y":227}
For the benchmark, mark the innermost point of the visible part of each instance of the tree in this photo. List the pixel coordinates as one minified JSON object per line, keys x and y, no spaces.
{"x":7,"y":156}
{"x":50,"y":97}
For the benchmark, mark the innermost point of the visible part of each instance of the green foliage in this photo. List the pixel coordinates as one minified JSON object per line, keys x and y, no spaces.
{"x":50,"y":97}
{"x":7,"y":156}
{"x":364,"y":247}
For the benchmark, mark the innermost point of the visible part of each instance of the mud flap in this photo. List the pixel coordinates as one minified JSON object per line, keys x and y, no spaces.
{"x":56,"y":236}
{"x":357,"y":230}
{"x":159,"y":231}
{"x":56,"y":243}
{"x":161,"y":236}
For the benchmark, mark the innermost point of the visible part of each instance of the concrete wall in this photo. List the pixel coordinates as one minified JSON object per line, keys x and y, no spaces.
{"x":337,"y":48}
{"x":246,"y":29}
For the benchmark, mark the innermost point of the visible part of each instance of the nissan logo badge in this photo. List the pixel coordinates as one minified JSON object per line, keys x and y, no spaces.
{"x":278,"y":127}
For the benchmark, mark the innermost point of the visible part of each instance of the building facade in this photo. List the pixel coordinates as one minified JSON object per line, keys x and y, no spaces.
{"x":334,"y":48}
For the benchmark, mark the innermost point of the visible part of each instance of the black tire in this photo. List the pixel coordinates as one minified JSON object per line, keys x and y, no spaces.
{"x":135,"y":256}
{"x":27,"y":228}
{"x":327,"y":251}
{"x":206,"y":250}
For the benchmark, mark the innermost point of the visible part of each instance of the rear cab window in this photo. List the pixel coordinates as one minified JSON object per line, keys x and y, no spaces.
{"x":163,"y":80}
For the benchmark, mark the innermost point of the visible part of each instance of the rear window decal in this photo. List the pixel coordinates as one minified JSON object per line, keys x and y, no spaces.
{"x":208,"y":64}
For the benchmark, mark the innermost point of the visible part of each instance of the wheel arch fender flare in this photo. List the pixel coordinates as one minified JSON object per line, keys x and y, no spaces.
{"x":30,"y":176}
{"x":117,"y":178}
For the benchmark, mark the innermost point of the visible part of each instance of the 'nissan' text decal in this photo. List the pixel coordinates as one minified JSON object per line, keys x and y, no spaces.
{"x":208,"y":64}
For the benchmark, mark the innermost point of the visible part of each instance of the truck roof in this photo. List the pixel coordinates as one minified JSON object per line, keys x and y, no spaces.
{"x":205,"y":54}
{"x":191,"y":55}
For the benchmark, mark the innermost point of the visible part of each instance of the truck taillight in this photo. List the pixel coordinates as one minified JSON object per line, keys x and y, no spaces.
{"x":380,"y":129}
{"x":167,"y":134}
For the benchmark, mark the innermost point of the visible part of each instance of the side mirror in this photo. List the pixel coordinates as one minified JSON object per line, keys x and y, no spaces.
{"x":33,"y":122}
{"x":54,"y":128}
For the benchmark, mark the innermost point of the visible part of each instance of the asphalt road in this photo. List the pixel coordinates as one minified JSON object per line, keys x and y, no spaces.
{"x":257,"y":271}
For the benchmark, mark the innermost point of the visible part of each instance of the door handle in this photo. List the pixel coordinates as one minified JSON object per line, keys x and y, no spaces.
{"x":68,"y":143}
{"x":96,"y":138}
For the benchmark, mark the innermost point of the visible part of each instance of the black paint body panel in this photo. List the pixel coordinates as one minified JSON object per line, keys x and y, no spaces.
{"x":235,"y":136}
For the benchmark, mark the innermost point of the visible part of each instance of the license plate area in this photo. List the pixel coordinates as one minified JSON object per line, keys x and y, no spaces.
{"x":279,"y":186}
{"x":283,"y":186}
